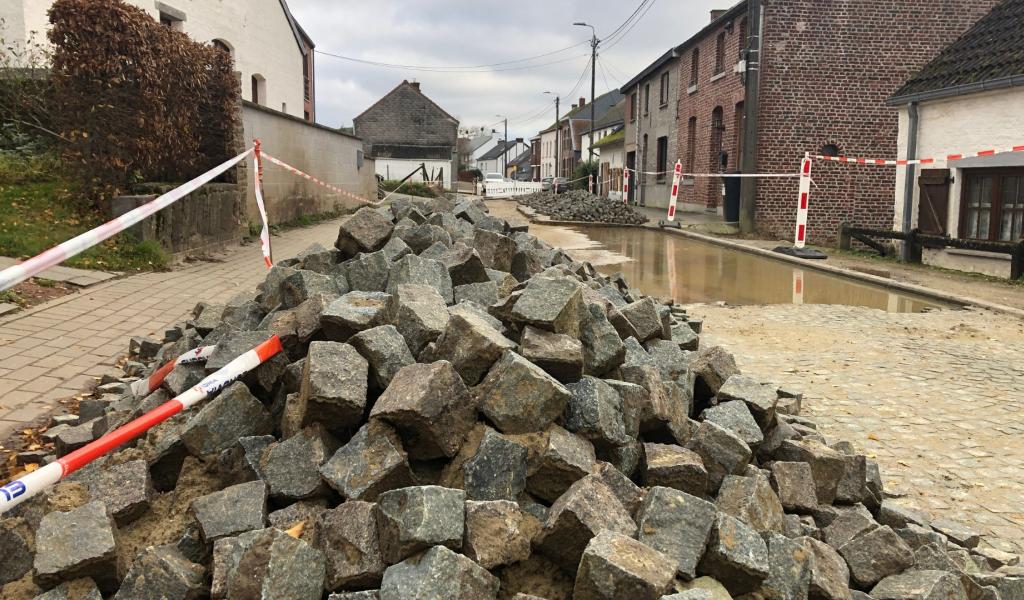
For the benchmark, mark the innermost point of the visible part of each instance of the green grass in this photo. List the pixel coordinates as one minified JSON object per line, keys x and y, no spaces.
{"x":409,"y":189}
{"x":38,"y":216}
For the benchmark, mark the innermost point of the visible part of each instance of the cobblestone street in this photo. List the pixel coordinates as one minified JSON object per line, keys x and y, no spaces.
{"x":937,"y":398}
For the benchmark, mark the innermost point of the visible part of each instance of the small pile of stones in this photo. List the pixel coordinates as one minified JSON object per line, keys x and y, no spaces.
{"x":464,"y":412}
{"x":580,"y":205}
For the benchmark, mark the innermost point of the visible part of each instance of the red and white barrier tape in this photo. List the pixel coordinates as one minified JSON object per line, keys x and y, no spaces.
{"x":918,"y":161}
{"x":722,"y":175}
{"x":152,"y":383}
{"x":20,"y":490}
{"x":15,"y":274}
{"x":674,"y":198}
{"x":803,"y":202}
{"x":257,"y":163}
{"x":309,"y":177}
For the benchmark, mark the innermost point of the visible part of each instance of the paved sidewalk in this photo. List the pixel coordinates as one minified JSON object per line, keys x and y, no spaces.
{"x":55,"y":349}
{"x":77,"y":277}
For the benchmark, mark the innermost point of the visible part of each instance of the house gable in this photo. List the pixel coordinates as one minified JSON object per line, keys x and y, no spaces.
{"x":406,"y":117}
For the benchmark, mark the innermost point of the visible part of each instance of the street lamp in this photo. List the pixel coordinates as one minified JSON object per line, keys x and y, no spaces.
{"x":593,"y":80}
{"x":504,"y":154}
{"x":558,"y":131}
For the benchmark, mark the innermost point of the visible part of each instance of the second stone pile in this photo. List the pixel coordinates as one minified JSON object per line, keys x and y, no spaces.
{"x":580,"y":205}
{"x":464,"y":412}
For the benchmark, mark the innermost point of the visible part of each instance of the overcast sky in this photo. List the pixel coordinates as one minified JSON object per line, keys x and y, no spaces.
{"x":478,"y":32}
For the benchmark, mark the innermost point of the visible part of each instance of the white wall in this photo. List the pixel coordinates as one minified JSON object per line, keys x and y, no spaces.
{"x":598,"y":135}
{"x":257,"y":30}
{"x":322,"y":152}
{"x":954,"y":125}
{"x":496,"y":165}
{"x":547,"y":154}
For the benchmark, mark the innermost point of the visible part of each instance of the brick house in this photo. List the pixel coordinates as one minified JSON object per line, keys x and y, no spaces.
{"x":826,"y":70}
{"x":968,"y":99}
{"x":405,"y":129}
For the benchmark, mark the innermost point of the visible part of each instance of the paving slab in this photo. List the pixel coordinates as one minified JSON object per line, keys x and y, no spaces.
{"x":76,"y":277}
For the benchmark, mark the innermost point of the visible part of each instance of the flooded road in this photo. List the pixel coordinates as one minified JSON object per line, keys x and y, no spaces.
{"x":690,"y":271}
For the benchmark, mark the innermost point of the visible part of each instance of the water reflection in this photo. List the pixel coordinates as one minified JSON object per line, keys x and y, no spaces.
{"x":666,"y":265}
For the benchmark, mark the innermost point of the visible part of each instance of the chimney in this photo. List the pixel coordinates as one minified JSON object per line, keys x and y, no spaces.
{"x":574,"y":106}
{"x":519,"y":140}
{"x":583,"y":102}
{"x":415,"y":85}
{"x":715,"y":14}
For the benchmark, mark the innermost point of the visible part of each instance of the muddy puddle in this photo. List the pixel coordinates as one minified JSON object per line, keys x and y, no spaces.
{"x":666,"y":265}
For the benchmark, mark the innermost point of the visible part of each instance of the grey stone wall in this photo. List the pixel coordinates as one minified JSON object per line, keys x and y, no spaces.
{"x":208,"y":219}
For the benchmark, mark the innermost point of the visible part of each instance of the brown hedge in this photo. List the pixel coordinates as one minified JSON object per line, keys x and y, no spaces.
{"x":136,"y":100}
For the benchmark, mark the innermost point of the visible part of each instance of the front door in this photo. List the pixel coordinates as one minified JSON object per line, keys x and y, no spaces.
{"x":933,"y":207}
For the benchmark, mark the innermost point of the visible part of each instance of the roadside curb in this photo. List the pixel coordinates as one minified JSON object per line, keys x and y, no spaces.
{"x":883,"y":282}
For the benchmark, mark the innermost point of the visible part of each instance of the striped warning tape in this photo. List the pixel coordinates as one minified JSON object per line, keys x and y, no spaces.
{"x":917,"y":161}
{"x":15,"y":274}
{"x":151,"y":383}
{"x":309,"y":177}
{"x":20,"y":490}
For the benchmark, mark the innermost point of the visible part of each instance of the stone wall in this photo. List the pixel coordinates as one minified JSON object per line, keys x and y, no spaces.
{"x":324,"y":153}
{"x":211,"y":218}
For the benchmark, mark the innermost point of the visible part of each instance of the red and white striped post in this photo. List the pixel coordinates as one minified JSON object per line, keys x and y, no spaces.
{"x":676,"y":179}
{"x":590,"y":183}
{"x":625,"y":185}
{"x":805,"y":194}
{"x":268,"y":254}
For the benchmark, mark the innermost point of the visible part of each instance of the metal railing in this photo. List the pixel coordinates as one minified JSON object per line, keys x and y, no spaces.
{"x":918,"y":241}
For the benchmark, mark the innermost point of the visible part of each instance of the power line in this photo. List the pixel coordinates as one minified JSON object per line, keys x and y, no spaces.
{"x":634,"y":24}
{"x":464,"y":68}
{"x":626,"y":22}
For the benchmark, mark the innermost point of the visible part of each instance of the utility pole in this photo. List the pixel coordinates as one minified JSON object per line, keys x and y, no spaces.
{"x":593,"y":81}
{"x":558,"y":131}
{"x":504,"y":154}
{"x":751,"y":102}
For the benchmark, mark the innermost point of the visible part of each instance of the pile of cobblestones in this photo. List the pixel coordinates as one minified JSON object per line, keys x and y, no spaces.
{"x":579,"y":205}
{"x":463,"y":412}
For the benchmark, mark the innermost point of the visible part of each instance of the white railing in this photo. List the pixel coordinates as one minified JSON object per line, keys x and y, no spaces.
{"x":510,"y":189}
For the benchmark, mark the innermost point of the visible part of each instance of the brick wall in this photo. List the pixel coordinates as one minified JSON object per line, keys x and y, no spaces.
{"x":826,"y":71}
{"x":406,"y":117}
{"x":714,"y":89}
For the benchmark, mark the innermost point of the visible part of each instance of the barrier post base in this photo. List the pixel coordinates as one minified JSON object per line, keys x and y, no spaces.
{"x":673,"y":224}
{"x":804,"y":253}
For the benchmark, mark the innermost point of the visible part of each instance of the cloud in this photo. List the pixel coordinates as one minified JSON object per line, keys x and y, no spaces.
{"x":461,"y":32}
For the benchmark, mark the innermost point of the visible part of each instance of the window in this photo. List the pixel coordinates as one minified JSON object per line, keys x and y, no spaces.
{"x":743,"y":38}
{"x":633,"y":107}
{"x":993,"y":205}
{"x":695,"y":67}
{"x":647,"y":98}
{"x":720,"y":54}
{"x":691,"y":144}
{"x":715,"y":141}
{"x":170,"y":17}
{"x":663,"y":96}
{"x":259,"y":89}
{"x":222,"y":46}
{"x":662,"y":158}
{"x":305,"y":77}
{"x":829,"y":150}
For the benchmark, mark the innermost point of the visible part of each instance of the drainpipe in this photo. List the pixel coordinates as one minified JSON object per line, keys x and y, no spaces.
{"x":751,"y":106}
{"x":908,"y":185}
